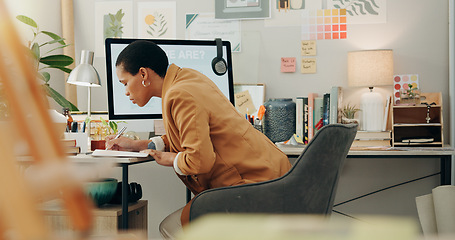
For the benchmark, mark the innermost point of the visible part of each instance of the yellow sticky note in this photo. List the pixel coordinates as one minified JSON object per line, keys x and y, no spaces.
{"x":308,"y":65}
{"x":308,"y":48}
{"x":244,"y":102}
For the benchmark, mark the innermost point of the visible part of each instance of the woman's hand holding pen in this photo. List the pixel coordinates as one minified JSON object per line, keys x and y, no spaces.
{"x":125,"y":144}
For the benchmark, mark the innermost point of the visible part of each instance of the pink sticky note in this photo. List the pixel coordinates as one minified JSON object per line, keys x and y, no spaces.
{"x":288,"y":64}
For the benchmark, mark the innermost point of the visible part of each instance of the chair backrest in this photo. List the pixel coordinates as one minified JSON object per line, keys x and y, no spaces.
{"x":312,"y":181}
{"x":309,"y":187}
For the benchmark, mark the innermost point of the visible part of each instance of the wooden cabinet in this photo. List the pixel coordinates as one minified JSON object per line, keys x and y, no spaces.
{"x":419,"y":125}
{"x":107,"y":218}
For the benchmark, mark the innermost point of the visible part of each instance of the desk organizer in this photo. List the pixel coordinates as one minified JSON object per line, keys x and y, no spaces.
{"x":420,"y":125}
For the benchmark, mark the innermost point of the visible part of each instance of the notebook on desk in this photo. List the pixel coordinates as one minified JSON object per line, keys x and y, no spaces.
{"x":113,"y":153}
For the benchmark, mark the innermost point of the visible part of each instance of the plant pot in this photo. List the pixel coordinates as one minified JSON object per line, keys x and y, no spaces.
{"x":98,"y":144}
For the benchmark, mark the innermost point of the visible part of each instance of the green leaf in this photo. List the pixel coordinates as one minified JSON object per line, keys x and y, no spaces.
{"x":67,"y":70}
{"x":54,"y":36}
{"x":53,"y":41}
{"x":113,"y":126}
{"x":58,"y":98}
{"x":35,"y":50}
{"x":59,"y":47}
{"x":27,"y":20}
{"x":57,"y":60}
{"x":45,"y":76}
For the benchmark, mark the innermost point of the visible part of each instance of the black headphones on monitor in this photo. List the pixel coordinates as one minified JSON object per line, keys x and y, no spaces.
{"x":219,"y":65}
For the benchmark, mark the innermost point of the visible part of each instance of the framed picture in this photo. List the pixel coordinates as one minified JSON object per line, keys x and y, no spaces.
{"x":242,"y":9}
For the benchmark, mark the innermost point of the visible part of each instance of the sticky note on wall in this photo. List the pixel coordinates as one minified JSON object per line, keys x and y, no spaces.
{"x":401,"y":82}
{"x":288,"y":64}
{"x":308,"y":48}
{"x":308,"y":65}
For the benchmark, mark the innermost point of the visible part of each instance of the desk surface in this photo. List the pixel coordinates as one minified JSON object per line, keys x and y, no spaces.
{"x":447,"y":150}
{"x":88,"y":158}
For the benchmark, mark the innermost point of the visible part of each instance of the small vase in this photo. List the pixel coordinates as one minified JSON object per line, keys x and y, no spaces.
{"x":279,"y":119}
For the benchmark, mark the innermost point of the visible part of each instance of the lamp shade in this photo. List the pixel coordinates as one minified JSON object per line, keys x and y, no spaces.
{"x":85,"y":74}
{"x":370,"y":68}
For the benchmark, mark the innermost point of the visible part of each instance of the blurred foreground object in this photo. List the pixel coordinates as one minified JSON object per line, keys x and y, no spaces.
{"x":29,"y":119}
{"x":287,"y":227}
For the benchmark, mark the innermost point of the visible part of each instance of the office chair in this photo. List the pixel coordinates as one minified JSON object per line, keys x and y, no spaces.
{"x":308,"y":188}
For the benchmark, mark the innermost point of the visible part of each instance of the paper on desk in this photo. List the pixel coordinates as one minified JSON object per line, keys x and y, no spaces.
{"x":113,"y":153}
{"x":425,"y":209}
{"x":444,"y":208}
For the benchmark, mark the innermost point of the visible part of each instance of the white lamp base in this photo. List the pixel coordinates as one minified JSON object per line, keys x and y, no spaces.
{"x":372,"y":111}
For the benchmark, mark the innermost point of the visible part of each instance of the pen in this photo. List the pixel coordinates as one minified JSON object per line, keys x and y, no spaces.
{"x":120,"y":132}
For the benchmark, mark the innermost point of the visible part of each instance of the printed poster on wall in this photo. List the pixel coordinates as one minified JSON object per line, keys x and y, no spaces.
{"x":112,"y":20}
{"x":362,"y":12}
{"x":156,"y":20}
{"x":204,"y":26}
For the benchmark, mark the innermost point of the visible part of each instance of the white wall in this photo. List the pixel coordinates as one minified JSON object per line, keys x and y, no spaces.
{"x":417,"y":31}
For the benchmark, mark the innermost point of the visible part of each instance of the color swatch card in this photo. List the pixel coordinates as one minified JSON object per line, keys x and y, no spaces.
{"x":401,"y":82}
{"x":319,"y":24}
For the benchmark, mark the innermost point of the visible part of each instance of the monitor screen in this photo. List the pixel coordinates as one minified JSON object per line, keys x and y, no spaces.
{"x":195,"y":54}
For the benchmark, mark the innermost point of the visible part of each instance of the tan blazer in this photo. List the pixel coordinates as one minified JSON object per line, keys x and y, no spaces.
{"x":218,"y":146}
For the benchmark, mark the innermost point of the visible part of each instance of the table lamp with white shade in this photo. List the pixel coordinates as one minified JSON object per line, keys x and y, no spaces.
{"x":371,"y":68}
{"x":86,"y":75}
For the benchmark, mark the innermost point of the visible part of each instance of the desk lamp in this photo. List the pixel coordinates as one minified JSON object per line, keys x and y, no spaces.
{"x":86,"y":75}
{"x":371,"y":68}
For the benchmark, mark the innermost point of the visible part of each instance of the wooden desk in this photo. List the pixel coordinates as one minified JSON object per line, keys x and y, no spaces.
{"x":124,"y":163}
{"x":443,"y":154}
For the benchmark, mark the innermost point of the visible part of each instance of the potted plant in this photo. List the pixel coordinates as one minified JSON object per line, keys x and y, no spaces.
{"x":348,"y":114}
{"x":47,"y":60}
{"x":102,"y":128}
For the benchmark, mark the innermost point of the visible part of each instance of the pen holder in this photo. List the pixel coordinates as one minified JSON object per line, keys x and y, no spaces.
{"x":258,"y":127}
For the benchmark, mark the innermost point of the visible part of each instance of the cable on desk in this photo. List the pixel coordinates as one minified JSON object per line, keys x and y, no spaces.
{"x":383,"y":189}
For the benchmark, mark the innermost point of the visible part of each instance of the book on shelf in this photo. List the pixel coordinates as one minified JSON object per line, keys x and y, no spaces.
{"x":325,"y":109}
{"x":311,"y":97}
{"x":68,"y":142}
{"x":74,"y":150}
{"x":373,"y":135}
{"x":318,"y":114}
{"x":305,"y":120}
{"x":371,"y":143}
{"x":299,"y":124}
{"x":387,"y":113}
{"x":336,"y":96}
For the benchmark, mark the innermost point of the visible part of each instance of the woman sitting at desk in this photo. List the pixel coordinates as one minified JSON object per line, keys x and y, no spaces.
{"x":208,"y":142}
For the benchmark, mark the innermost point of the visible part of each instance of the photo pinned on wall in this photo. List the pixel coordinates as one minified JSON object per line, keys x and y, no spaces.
{"x":204,"y":26}
{"x":324,"y":24}
{"x":362,"y":12}
{"x":242,"y":9}
{"x":401,"y":82}
{"x":112,"y":20}
{"x":308,"y":65}
{"x":156,"y":20}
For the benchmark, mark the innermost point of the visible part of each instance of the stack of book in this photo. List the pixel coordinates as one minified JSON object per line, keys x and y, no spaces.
{"x":372,"y":139}
{"x":314,"y":112}
{"x":70,"y":146}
